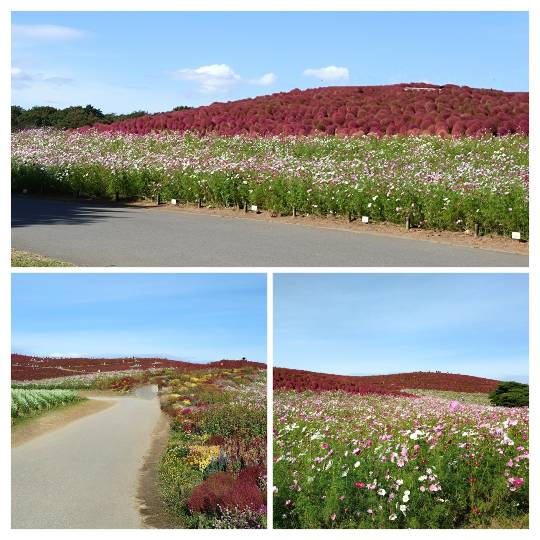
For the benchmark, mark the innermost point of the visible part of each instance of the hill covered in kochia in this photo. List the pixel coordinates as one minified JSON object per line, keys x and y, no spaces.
{"x":294,"y":379}
{"x":25,"y":367}
{"x":398,"y":109}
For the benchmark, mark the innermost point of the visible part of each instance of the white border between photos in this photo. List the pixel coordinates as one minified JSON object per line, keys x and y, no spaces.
{"x":275,"y":5}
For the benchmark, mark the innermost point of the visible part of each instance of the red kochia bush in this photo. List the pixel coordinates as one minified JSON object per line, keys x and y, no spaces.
{"x":25,"y":367}
{"x":406,"y":109}
{"x":223,"y":490}
{"x":294,"y":379}
{"x":252,"y":475}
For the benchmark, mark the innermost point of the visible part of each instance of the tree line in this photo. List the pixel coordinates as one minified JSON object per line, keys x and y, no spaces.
{"x":70,"y":117}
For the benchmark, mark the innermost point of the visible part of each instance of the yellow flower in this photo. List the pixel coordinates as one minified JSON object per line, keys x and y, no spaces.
{"x":201,"y":456}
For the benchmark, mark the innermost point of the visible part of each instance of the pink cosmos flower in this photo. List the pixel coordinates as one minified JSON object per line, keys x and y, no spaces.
{"x":454,"y":406}
{"x":514,"y":483}
{"x":360,"y":484}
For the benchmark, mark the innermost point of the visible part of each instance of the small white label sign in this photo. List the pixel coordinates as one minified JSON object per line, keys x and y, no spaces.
{"x":173,"y":201}
{"x":365,"y":219}
{"x":516,"y":236}
{"x":254,"y":208}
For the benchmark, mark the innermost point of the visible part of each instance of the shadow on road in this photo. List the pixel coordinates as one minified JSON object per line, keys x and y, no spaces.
{"x":29,"y":211}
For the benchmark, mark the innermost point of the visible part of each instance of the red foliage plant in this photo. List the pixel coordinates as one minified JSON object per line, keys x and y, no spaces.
{"x":223,"y":490}
{"x":254,"y":474}
{"x":406,"y":109}
{"x":293,"y":379}
{"x":27,"y":368}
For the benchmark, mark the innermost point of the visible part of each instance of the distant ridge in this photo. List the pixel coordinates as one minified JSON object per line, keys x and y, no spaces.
{"x":24,"y":367}
{"x":396,"y":109}
{"x":295,"y":379}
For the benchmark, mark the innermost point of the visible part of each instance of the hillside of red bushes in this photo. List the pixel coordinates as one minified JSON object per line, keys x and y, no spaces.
{"x":294,"y":379}
{"x":27,"y":368}
{"x":405,"y":109}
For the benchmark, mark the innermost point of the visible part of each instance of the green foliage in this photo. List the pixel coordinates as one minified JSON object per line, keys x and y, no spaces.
{"x":70,"y":117}
{"x":231,"y":418}
{"x":510,"y":394}
{"x":177,"y":479}
{"x":25,"y":402}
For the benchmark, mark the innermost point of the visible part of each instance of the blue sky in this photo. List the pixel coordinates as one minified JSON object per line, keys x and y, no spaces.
{"x":193,"y":317}
{"x":360,"y":324}
{"x":125,"y":61}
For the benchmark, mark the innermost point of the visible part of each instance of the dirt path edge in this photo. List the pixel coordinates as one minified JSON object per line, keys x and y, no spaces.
{"x":154,"y":513}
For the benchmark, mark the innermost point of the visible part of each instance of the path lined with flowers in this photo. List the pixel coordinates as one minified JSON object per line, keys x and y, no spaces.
{"x":85,"y":474}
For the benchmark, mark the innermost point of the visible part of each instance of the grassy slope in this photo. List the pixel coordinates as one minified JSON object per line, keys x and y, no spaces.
{"x":23,"y":258}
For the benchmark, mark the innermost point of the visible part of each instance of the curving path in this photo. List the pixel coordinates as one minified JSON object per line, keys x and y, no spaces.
{"x":91,"y":234}
{"x":84,"y":475}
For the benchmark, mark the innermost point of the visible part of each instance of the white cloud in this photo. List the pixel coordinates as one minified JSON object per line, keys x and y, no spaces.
{"x":218,"y":78}
{"x":213,"y":78}
{"x":265,"y":80}
{"x":45,"y":32}
{"x":329,"y":73}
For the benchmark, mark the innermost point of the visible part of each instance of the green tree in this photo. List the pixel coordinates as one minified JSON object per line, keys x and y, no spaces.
{"x":40,"y":116}
{"x":16,"y":112}
{"x":510,"y":394}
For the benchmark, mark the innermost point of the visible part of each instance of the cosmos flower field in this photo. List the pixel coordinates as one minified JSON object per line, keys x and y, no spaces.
{"x":344,"y":460}
{"x":434,"y":182}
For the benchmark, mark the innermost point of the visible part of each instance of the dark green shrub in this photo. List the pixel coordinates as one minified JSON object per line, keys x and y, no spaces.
{"x":510,"y":394}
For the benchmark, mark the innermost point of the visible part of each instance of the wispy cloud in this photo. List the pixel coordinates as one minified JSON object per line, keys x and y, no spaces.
{"x":219,"y":78}
{"x":21,"y":78}
{"x":328,"y":73}
{"x":46,"y":32}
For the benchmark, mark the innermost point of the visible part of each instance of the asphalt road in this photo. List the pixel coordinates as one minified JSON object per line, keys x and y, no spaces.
{"x":89,"y":234}
{"x":84,"y":475}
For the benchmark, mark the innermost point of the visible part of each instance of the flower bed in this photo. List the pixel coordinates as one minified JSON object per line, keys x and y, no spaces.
{"x":213,"y":473}
{"x":434,"y":183}
{"x":349,"y":461}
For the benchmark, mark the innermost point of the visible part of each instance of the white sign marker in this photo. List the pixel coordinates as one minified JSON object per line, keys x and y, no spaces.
{"x":173,"y":201}
{"x":254,"y":208}
{"x":516,"y":236}
{"x":365,"y":219}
